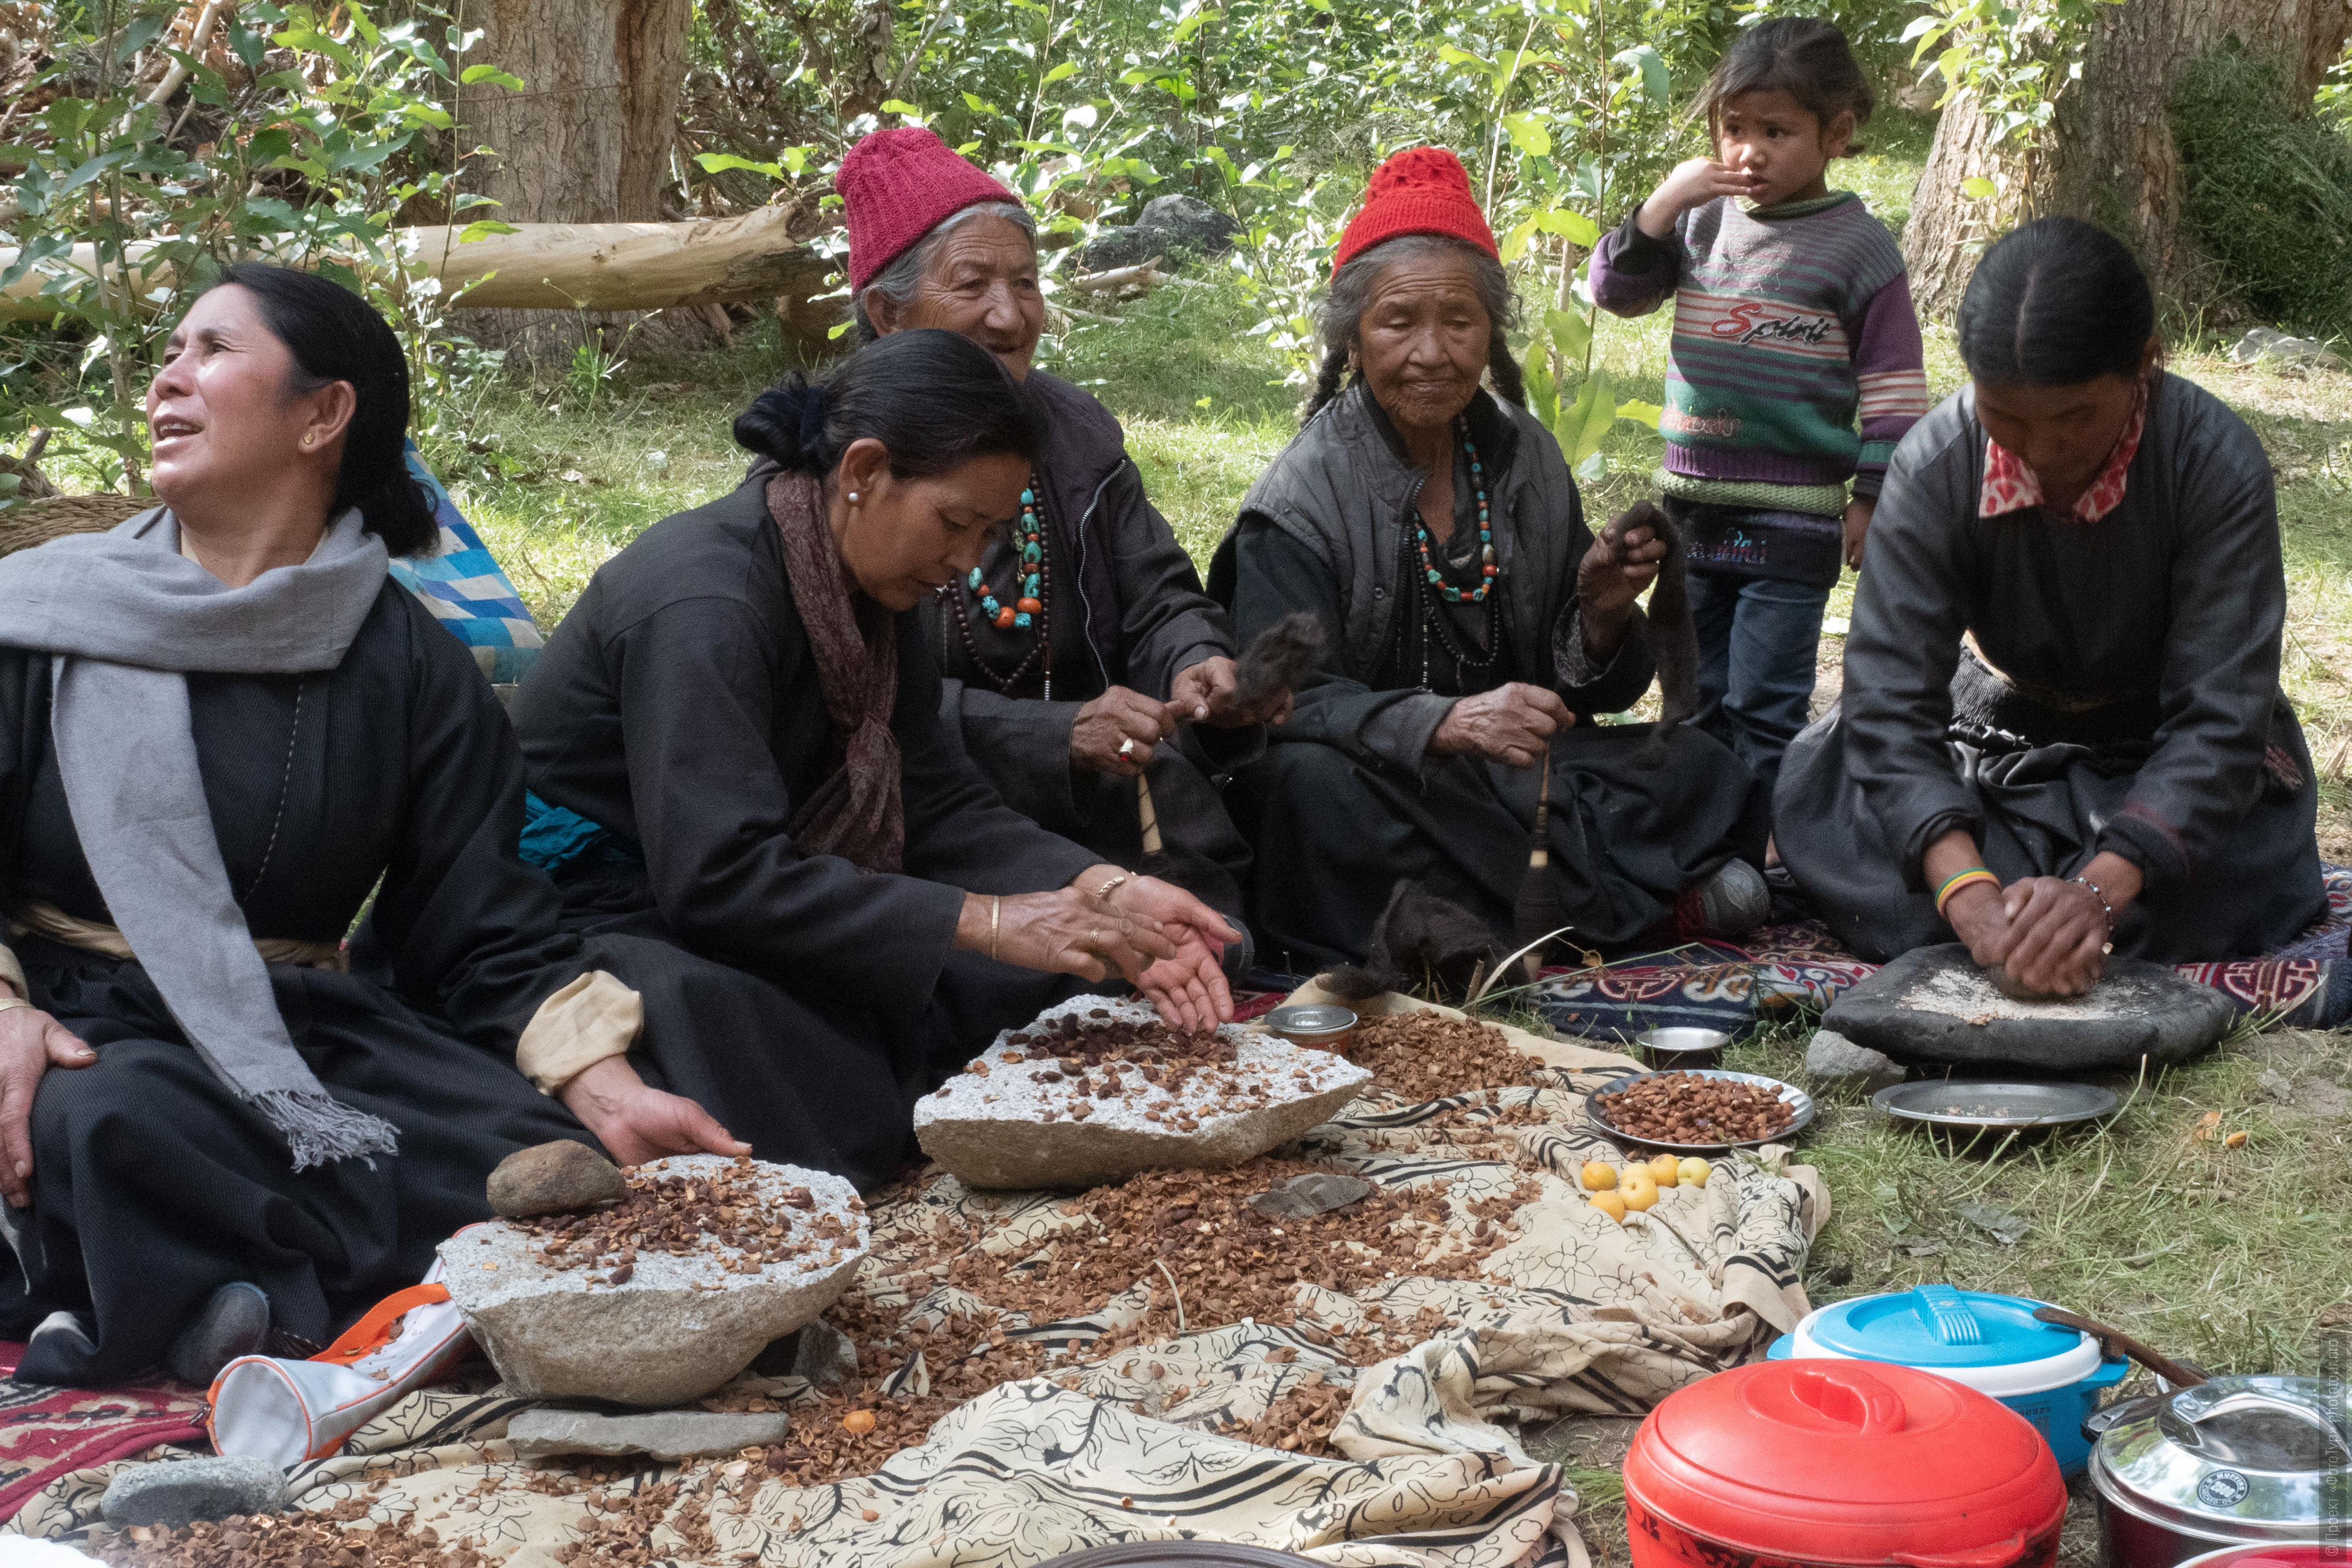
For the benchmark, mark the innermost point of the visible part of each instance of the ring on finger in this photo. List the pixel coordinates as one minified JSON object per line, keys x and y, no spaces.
{"x":1127,"y":747}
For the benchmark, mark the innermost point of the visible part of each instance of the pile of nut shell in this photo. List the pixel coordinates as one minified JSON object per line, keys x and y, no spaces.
{"x":1692,"y":1108}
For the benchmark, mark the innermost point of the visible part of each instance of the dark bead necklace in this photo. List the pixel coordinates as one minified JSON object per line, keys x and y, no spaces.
{"x":1032,"y":569}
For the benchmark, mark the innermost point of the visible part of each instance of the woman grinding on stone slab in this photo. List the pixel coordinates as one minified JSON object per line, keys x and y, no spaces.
{"x":2062,"y":733}
{"x":737,"y":749}
{"x":221,"y":726}
{"x":1469,"y":619}
{"x":1080,"y":652}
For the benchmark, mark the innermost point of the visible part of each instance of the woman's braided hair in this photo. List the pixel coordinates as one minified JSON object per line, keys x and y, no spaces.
{"x":1342,"y":312}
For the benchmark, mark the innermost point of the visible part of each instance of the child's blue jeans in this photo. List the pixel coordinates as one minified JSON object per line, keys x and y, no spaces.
{"x":1758,"y":639}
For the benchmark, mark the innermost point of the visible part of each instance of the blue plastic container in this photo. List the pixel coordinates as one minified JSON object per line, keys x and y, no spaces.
{"x":2052,"y":1376}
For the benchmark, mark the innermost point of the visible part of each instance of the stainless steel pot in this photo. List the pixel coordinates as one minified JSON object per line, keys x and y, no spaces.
{"x":2235,"y":1461}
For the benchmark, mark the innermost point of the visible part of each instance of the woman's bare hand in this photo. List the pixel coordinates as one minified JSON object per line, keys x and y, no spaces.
{"x":1069,"y":931}
{"x":637,"y":1122}
{"x":1203,"y":693}
{"x":1508,"y":724}
{"x":1188,"y":987}
{"x":2058,"y":936}
{"x":1622,"y":561}
{"x":1119,"y":717}
{"x":31,"y":1042}
{"x":1981,"y":919}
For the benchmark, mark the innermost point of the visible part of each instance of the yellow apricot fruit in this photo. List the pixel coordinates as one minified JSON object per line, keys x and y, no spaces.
{"x":1666,"y":1171}
{"x":1611,"y":1201}
{"x":1694,"y":1172}
{"x":1599,"y":1175}
{"x":1639,"y":1191}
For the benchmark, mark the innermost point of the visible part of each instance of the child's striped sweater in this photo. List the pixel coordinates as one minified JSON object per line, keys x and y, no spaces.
{"x":1790,"y":323}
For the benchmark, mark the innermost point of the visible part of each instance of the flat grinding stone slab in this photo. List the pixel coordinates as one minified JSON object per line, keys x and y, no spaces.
{"x":1011,"y":1122}
{"x":665,"y":1434}
{"x":680,"y":1325}
{"x":1936,"y":1005}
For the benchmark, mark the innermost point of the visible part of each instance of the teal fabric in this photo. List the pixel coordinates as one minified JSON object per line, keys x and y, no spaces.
{"x":553,"y":836}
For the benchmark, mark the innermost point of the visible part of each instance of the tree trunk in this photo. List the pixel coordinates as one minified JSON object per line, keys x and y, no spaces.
{"x":2110,"y":156}
{"x":588,"y":138}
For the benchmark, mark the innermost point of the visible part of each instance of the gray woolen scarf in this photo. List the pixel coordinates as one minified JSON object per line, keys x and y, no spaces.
{"x":129,"y":617}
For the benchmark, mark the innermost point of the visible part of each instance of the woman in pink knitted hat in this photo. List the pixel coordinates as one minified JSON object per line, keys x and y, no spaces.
{"x":1473,"y":629}
{"x":1081,"y":653}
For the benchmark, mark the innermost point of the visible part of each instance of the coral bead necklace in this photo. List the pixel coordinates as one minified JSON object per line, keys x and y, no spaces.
{"x":1486,"y":573}
{"x":1028,"y":572}
{"x":1032,"y":580}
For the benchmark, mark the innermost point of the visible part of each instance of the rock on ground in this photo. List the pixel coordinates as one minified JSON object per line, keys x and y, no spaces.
{"x":551,"y":1177}
{"x":1832,"y":1061}
{"x":676,"y":1329}
{"x":1012,"y":1127}
{"x":2267,"y":345}
{"x":1934,"y":1004}
{"x":665,"y":1434}
{"x":823,"y":1355}
{"x":174,"y":1493}
{"x":1168,"y":224}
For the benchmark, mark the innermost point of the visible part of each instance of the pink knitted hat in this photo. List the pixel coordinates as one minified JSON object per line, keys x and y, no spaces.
{"x":896,"y":185}
{"x":1422,"y":190}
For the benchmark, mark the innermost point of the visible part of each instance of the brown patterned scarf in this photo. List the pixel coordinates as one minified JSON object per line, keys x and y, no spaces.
{"x":856,"y":812}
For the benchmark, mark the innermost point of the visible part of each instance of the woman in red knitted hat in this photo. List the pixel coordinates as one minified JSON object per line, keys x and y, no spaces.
{"x":1471,"y":620}
{"x":1081,"y":653}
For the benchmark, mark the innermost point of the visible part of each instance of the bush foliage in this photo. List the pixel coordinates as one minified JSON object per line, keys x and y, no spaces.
{"x":2269,"y":191}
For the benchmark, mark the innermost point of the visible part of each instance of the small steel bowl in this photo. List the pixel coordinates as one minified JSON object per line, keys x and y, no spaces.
{"x":1673,"y":1050}
{"x":1314,"y":1024}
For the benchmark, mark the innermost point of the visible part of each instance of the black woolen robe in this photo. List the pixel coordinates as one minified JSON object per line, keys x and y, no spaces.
{"x":1348,"y":800}
{"x":803,"y":1002}
{"x":2136,"y":708}
{"x":153,"y":1183}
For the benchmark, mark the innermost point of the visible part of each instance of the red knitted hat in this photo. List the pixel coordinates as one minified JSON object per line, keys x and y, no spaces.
{"x":1422,"y":190}
{"x":896,"y":185}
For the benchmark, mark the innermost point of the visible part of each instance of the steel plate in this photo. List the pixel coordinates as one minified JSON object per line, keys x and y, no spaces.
{"x":1789,"y":1093}
{"x":1991,"y":1107}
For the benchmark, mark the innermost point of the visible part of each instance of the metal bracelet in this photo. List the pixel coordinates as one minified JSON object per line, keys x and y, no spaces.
{"x":995,"y":907}
{"x":10,"y":1003}
{"x":1107,"y":888}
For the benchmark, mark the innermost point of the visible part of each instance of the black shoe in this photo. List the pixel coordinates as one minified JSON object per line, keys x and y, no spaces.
{"x":58,"y":1352}
{"x":233,"y":1323}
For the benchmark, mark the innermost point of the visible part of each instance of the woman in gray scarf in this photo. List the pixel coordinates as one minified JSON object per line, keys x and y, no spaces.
{"x":221,"y":726}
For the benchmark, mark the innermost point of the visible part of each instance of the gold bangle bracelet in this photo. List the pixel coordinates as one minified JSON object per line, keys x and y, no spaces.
{"x":1114,"y":885}
{"x":995,"y":909}
{"x":10,"y":1002}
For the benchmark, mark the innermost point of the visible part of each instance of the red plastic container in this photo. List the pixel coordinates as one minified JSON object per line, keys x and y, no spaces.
{"x":1818,"y":1464}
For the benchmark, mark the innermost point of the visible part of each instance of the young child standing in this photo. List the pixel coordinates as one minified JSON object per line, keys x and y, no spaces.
{"x":1792,"y":319}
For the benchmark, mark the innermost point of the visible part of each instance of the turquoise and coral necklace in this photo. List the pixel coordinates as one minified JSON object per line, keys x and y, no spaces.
{"x":1486,"y":573}
{"x":1033,"y":576}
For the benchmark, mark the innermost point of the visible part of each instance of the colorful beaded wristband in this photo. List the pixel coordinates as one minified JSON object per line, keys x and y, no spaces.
{"x":1954,"y":884}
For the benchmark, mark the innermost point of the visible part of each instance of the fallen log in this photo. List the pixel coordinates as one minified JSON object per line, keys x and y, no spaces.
{"x":594,"y":266}
{"x":1143,"y":274}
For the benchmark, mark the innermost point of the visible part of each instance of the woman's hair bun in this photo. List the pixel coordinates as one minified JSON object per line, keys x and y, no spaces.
{"x":935,"y":399}
{"x":787,"y":423}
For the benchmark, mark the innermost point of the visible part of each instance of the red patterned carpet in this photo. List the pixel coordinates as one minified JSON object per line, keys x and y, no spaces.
{"x":47,"y":1433}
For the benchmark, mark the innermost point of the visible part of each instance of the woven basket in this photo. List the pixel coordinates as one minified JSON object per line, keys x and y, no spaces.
{"x":38,"y":521}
